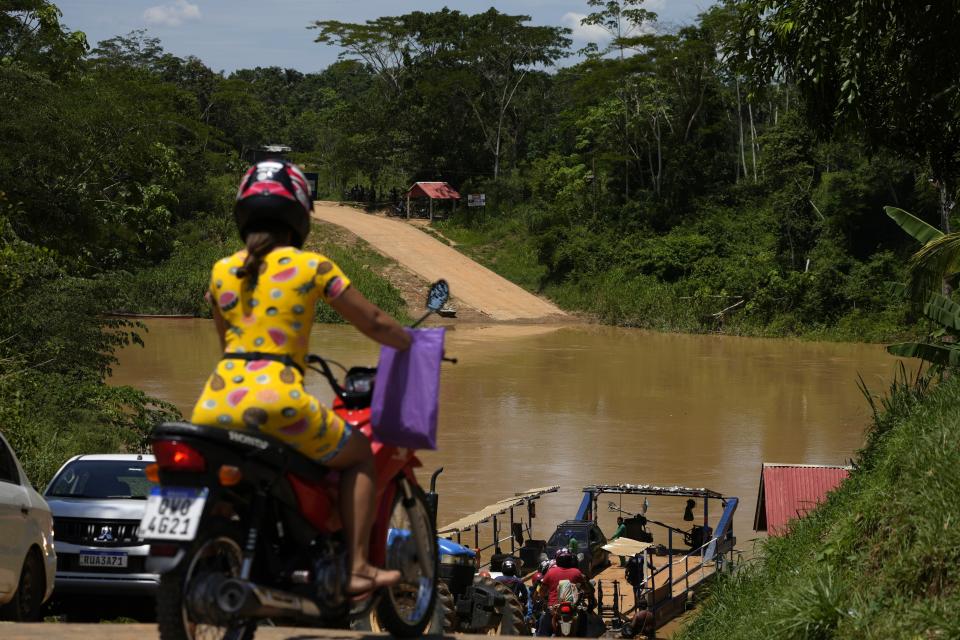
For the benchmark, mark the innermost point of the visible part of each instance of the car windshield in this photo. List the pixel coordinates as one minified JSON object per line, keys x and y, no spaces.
{"x":101,"y":479}
{"x":561,"y":537}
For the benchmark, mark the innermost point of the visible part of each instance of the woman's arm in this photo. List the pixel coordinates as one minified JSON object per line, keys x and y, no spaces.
{"x":370,"y":319}
{"x":220,"y":323}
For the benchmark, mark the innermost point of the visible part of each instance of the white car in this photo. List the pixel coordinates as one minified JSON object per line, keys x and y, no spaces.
{"x":28,"y":562}
{"x":97,"y":503}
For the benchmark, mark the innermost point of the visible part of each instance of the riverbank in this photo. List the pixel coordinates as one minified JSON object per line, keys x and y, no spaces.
{"x":615,"y":296}
{"x":683,"y":283}
{"x":478,"y":288}
{"x":881,"y":558}
{"x":177,"y":285}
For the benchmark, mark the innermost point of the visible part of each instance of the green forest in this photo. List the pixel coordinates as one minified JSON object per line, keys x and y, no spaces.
{"x":727,"y":175}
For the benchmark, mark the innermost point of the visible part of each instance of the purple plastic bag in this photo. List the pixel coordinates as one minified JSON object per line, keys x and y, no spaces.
{"x":407,"y":392}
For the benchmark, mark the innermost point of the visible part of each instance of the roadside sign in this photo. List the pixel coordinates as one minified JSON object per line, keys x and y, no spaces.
{"x":477,"y":200}
{"x":312,"y":179}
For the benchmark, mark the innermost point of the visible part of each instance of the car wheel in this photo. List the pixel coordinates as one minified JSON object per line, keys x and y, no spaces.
{"x":28,"y":600}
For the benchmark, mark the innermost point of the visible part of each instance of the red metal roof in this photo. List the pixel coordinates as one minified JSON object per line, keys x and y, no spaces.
{"x":435,"y":190}
{"x":788,"y":491}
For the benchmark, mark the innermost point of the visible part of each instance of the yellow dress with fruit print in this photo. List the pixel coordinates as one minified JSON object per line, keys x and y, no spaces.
{"x":273,"y":317}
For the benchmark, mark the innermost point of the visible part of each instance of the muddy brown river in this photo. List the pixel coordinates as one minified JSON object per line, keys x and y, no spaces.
{"x":529,"y":406}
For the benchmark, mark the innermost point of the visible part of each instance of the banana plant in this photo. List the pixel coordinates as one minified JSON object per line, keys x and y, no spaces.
{"x":936,"y":261}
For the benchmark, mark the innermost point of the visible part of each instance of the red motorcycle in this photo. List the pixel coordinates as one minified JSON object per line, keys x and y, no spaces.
{"x":242,"y":528}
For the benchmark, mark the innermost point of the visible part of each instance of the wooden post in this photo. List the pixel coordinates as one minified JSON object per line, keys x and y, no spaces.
{"x":431,"y":209}
{"x":408,"y":204}
{"x":706,"y":521}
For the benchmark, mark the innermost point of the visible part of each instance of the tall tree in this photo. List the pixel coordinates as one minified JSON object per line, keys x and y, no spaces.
{"x":887,"y":69}
{"x":623,"y":20}
{"x":499,"y":51}
{"x":31,"y":34}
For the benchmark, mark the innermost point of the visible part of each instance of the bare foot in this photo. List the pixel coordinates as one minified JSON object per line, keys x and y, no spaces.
{"x":370,"y":578}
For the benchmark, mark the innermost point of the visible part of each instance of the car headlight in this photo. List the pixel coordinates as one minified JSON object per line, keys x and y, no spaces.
{"x":48,"y":546}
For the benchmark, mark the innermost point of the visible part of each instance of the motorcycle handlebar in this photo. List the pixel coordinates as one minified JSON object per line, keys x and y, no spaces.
{"x":325,"y":371}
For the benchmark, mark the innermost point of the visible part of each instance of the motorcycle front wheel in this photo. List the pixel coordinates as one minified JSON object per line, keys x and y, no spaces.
{"x":406,"y":608}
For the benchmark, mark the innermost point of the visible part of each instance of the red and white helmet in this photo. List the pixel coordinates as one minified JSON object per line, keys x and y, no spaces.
{"x":274,"y":191}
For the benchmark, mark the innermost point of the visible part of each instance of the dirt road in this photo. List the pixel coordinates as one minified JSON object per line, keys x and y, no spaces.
{"x":431,"y":259}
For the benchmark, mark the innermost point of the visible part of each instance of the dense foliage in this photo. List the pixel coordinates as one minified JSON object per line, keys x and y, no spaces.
{"x":678,"y":179}
{"x":667,"y":180}
{"x":116,"y":177}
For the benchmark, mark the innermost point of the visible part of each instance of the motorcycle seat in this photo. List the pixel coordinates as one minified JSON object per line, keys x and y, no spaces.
{"x":253,"y":444}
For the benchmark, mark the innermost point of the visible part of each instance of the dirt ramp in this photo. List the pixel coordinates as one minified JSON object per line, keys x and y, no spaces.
{"x":474,"y":284}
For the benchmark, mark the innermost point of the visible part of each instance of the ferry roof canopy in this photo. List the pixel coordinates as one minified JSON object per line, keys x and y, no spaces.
{"x":652,"y":490}
{"x":433,"y":190}
{"x":501,"y":506}
{"x":789,"y":491}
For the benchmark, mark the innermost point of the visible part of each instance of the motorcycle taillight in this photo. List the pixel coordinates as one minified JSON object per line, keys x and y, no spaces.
{"x":565,"y":608}
{"x":178,"y":456}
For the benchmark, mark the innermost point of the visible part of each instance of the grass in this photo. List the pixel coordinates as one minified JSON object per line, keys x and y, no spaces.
{"x":506,"y":248}
{"x":177,"y":285}
{"x":879,"y":559}
{"x":615,"y":295}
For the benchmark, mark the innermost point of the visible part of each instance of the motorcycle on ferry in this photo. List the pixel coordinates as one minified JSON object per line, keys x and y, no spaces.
{"x":244,"y":529}
{"x":570,"y":611}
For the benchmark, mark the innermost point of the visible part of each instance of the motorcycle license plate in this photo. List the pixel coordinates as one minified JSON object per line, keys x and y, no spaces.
{"x":173,"y":513}
{"x":103,"y":559}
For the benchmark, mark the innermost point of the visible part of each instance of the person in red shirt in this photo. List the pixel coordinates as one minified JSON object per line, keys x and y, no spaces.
{"x":565,"y":569}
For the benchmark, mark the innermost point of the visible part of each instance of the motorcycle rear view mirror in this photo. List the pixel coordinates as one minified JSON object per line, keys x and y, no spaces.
{"x":436,"y":299}
{"x":438,"y":295}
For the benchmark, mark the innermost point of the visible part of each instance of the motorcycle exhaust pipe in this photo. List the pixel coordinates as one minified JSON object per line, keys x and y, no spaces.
{"x":245,"y":599}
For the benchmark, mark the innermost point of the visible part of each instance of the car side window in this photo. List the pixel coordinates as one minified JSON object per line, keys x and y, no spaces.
{"x":8,"y":468}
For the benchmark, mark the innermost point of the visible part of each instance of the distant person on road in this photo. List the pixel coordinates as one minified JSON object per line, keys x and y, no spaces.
{"x":264,"y":299}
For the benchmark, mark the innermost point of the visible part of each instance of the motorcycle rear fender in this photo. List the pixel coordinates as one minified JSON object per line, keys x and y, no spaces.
{"x":165,"y":564}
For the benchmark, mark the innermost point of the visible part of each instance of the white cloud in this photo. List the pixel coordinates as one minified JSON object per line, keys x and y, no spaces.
{"x":584,"y":32}
{"x":172,"y":14}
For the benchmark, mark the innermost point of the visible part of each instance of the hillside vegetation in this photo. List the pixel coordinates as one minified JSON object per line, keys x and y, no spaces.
{"x":881,"y":558}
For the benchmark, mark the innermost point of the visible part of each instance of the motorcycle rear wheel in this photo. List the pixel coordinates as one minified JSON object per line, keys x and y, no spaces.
{"x":216,"y":549}
{"x":406,"y":609}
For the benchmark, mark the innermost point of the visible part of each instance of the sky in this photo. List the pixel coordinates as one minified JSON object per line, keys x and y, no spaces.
{"x":240,"y":34}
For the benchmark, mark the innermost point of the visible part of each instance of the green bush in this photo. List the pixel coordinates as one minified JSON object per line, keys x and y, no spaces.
{"x":177,"y":285}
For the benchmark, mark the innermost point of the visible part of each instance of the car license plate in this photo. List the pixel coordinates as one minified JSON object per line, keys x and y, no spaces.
{"x":103,"y":559}
{"x":173,"y":513}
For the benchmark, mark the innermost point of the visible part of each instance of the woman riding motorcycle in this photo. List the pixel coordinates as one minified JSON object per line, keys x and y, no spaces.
{"x":264,"y":299}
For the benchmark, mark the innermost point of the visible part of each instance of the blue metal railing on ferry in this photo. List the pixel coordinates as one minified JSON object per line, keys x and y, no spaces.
{"x":707,"y":552}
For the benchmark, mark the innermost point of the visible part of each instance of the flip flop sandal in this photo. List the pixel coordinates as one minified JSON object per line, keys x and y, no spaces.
{"x":366,"y":593}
